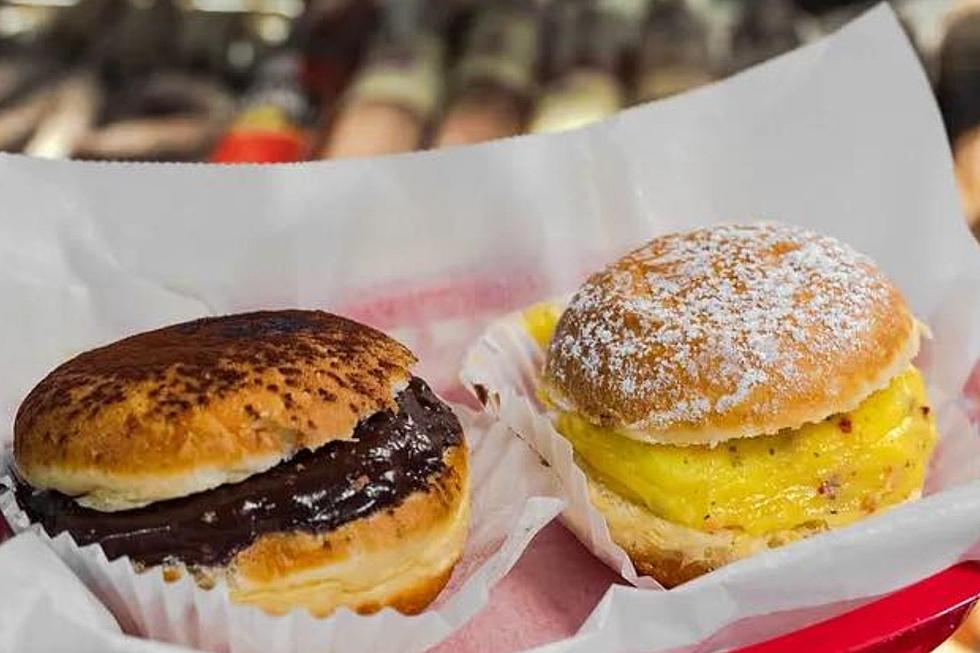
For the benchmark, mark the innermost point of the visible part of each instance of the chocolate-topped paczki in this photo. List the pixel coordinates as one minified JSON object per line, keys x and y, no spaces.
{"x":291,"y":454}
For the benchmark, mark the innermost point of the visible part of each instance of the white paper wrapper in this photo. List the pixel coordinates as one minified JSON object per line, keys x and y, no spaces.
{"x":503,"y":367}
{"x":509,"y":508}
{"x":54,"y":611}
{"x":909,"y":222}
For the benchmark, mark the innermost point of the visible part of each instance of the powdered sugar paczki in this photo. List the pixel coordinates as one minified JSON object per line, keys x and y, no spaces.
{"x":694,"y":323}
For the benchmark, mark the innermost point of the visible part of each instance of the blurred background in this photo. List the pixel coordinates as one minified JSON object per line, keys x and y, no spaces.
{"x":287,"y":80}
{"x":268,"y":81}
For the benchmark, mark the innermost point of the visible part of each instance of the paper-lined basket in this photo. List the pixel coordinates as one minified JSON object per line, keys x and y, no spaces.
{"x":841,"y":136}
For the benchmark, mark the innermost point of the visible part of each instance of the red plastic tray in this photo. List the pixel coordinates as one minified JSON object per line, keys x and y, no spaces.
{"x":913,"y":620}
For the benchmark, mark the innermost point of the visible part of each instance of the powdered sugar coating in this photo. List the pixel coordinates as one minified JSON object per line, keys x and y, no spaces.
{"x":724,"y":325}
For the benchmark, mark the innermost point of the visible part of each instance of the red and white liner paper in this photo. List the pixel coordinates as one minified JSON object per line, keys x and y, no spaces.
{"x":842,"y":136}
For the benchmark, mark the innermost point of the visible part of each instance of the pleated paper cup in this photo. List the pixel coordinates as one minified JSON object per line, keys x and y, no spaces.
{"x":511,"y":502}
{"x":503,"y":367}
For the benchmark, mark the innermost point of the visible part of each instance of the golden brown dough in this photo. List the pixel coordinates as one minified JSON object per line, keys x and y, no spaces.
{"x":192,"y":406}
{"x":400,"y":558}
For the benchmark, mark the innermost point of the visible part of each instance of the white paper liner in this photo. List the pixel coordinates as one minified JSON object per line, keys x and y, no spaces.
{"x":503,"y":368}
{"x":510,"y":503}
{"x":504,"y":365}
{"x":912,"y":540}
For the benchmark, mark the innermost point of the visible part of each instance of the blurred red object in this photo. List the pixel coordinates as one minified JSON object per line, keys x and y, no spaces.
{"x":260,"y":146}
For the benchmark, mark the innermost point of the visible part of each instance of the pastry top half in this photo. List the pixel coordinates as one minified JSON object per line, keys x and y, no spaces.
{"x":728,"y":332}
{"x":190,"y":407}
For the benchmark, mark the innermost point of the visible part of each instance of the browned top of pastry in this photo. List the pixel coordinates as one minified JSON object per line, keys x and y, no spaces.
{"x":190,"y":406}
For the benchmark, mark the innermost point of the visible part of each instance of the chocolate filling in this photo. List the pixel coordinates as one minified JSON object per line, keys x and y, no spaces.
{"x":391,"y":456}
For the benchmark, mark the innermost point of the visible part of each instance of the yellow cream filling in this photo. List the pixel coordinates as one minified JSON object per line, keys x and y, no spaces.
{"x":829,"y":473}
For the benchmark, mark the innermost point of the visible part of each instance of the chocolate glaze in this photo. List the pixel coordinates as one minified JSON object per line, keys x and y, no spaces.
{"x":391,"y":456}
